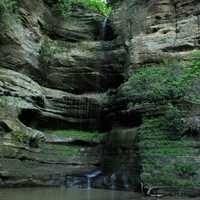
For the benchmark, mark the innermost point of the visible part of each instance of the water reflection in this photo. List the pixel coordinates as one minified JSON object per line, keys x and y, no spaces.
{"x":72,"y":194}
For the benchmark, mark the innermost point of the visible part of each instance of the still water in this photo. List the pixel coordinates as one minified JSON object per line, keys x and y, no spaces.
{"x":71,"y":194}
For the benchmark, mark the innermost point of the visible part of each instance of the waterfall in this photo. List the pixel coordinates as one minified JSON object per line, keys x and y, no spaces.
{"x":91,"y":175}
{"x":113,"y":181}
{"x":125,"y":180}
{"x":104,"y":28}
{"x":88,"y":183}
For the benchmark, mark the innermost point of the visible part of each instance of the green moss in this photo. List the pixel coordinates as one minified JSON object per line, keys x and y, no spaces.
{"x":173,"y":175}
{"x":67,"y":150}
{"x":95,"y":5}
{"x":82,"y":135}
{"x":166,"y":161}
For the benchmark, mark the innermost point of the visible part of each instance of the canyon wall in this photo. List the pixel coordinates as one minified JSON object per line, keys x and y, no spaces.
{"x":57,"y":72}
{"x":160,"y":36}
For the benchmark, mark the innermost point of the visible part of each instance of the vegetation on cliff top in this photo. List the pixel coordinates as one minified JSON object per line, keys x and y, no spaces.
{"x":96,"y":5}
{"x":65,"y":6}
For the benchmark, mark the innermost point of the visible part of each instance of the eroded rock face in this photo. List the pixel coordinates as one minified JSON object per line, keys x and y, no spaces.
{"x":80,"y":67}
{"x":61,"y":52}
{"x":54,"y":71}
{"x":27,"y":107}
{"x":158,"y":30}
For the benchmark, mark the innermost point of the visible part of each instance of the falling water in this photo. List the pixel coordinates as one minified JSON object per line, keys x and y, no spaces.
{"x":91,"y":175}
{"x":80,"y":112}
{"x":87,"y":109}
{"x":104,"y":28}
{"x":88,"y":183}
{"x":125,"y":180}
{"x":113,"y":181}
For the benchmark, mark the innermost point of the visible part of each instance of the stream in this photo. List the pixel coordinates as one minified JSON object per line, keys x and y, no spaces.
{"x":72,"y":194}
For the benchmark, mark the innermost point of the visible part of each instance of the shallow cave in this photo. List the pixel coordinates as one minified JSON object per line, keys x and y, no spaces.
{"x":30,"y":117}
{"x":192,"y":133}
{"x":4,"y":127}
{"x":34,"y":119}
{"x":126,"y":119}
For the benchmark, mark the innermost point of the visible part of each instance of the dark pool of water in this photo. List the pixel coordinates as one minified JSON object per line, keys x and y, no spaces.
{"x":71,"y":194}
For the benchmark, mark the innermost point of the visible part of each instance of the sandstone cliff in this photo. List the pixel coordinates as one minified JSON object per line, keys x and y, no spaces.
{"x":54,"y":74}
{"x":57,"y":72}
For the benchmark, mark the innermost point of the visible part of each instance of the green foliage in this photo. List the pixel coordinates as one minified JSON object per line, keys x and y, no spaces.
{"x":96,"y":5}
{"x":169,"y":124}
{"x":170,"y":80}
{"x":152,"y":82}
{"x":8,"y":5}
{"x":195,"y":58}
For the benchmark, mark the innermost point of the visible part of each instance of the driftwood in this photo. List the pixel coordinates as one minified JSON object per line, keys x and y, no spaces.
{"x":147,"y":190}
